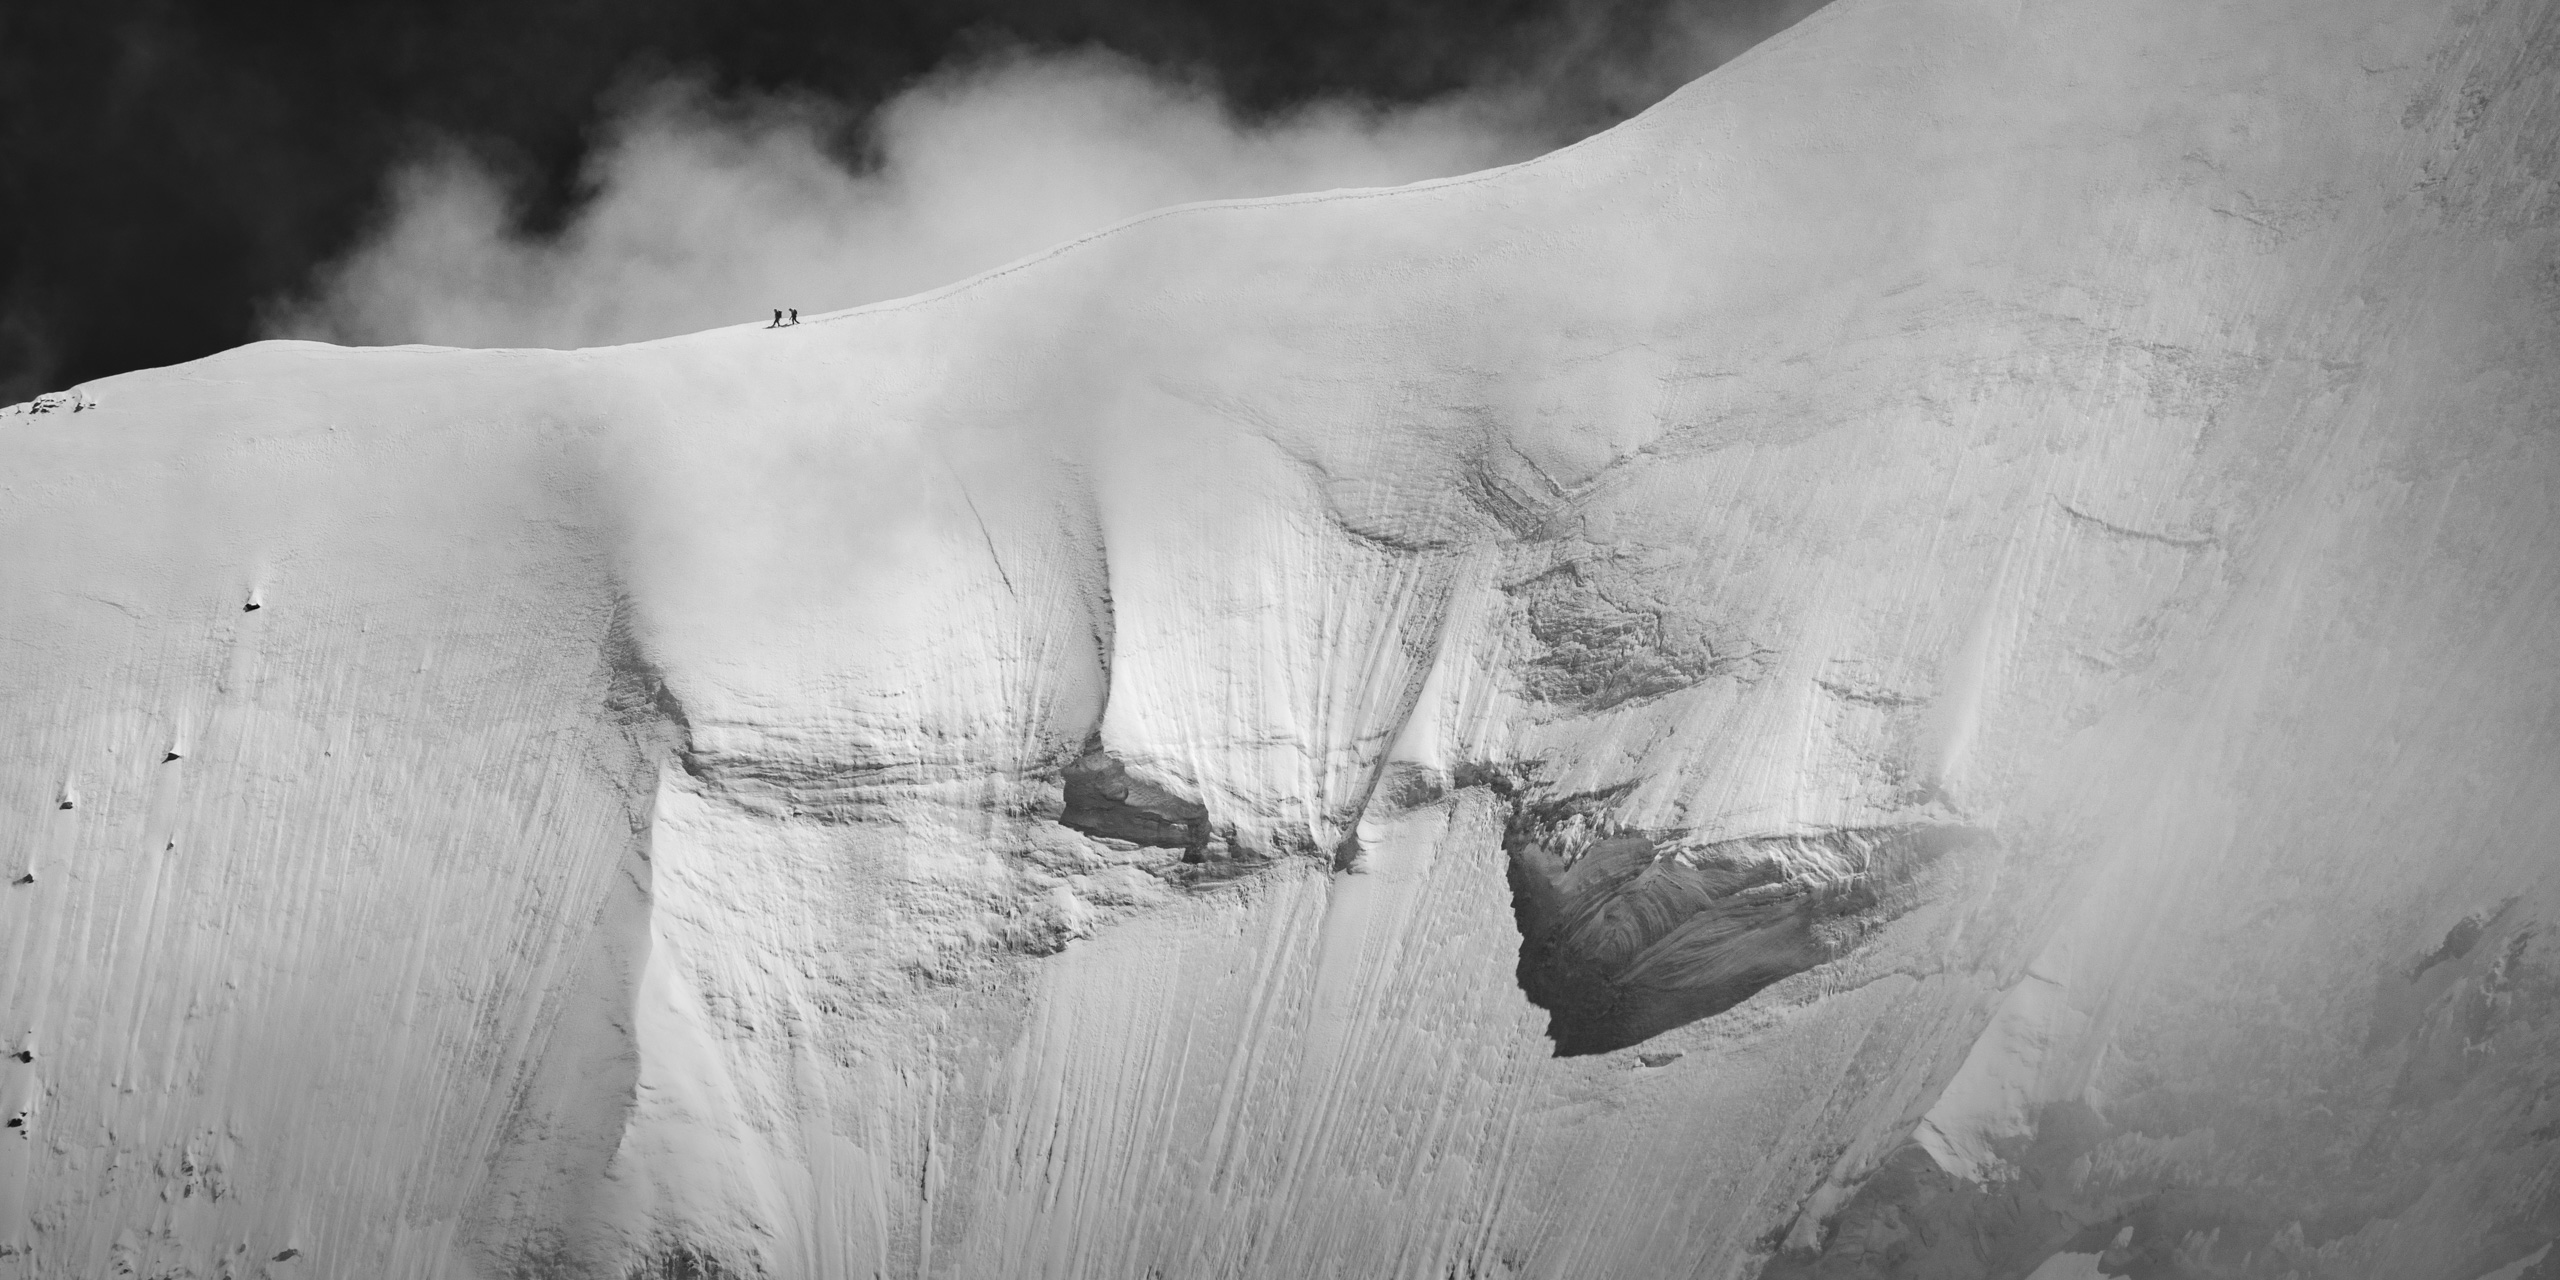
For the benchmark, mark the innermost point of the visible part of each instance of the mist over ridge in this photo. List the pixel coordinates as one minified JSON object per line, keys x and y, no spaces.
{"x":699,"y":210}
{"x":183,"y":175}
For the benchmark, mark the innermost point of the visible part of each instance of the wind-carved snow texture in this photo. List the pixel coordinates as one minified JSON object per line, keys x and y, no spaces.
{"x":1600,"y":653}
{"x":1932,"y":660}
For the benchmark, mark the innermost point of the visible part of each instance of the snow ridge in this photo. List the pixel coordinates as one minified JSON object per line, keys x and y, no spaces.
{"x":1855,"y":678}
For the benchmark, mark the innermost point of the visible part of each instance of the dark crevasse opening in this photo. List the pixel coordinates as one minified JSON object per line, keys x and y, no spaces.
{"x":1104,"y":802}
{"x":1625,"y":935}
{"x":1609,"y":977}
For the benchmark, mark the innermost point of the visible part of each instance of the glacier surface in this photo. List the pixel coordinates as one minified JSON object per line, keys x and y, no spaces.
{"x":1939,"y":658}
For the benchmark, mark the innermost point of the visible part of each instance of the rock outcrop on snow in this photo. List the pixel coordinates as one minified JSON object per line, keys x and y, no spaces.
{"x":1934,"y":659}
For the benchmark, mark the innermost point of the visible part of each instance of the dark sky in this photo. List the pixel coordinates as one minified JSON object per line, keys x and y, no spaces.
{"x":171,"y":164}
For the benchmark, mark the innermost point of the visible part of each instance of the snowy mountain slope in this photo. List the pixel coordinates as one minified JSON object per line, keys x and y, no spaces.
{"x":1933,"y":657}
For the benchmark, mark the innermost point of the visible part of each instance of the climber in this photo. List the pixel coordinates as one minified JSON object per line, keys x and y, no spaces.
{"x":795,"y":315}
{"x":777,"y":319}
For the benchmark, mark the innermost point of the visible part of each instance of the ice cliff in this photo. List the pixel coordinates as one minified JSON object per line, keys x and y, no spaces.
{"x":1940,"y":658}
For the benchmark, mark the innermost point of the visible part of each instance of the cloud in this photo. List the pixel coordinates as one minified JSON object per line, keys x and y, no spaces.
{"x":707,"y":211}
